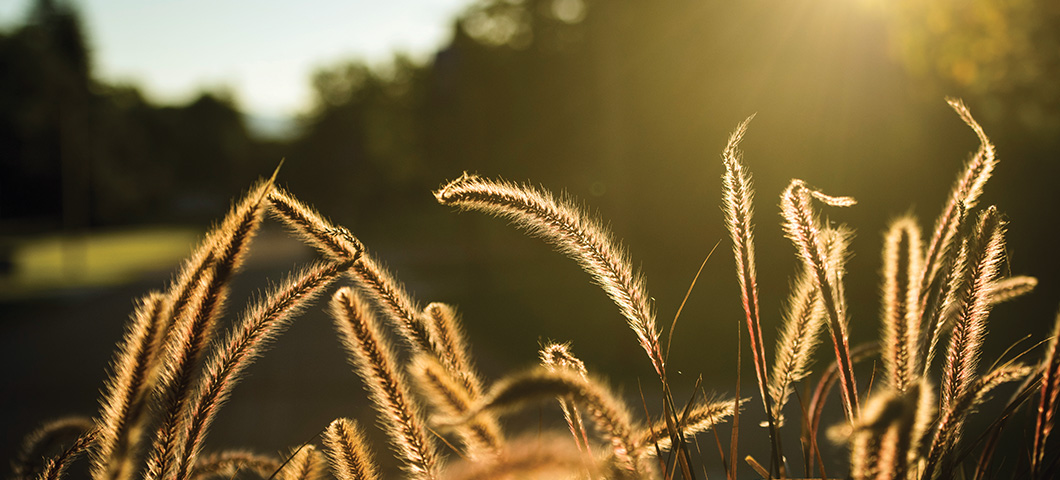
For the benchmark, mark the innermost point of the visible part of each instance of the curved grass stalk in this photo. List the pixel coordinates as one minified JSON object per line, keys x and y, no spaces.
{"x":572,"y":233}
{"x":803,"y":228}
{"x":963,"y":196}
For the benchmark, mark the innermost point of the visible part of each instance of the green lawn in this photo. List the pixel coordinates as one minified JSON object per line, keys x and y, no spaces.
{"x":53,"y":262}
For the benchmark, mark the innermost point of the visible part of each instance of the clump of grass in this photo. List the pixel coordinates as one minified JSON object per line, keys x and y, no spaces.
{"x":173,"y":370}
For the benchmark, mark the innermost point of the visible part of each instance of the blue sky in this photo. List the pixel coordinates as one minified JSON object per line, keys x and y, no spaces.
{"x":261,"y":50}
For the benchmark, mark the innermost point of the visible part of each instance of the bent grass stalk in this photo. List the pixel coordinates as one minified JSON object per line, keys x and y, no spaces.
{"x":803,"y":228}
{"x":573,"y":234}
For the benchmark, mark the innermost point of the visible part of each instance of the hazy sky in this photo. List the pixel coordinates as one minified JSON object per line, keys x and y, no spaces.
{"x":263,"y":50}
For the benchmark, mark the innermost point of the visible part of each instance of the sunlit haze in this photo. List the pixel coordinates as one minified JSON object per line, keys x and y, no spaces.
{"x":263,"y":51}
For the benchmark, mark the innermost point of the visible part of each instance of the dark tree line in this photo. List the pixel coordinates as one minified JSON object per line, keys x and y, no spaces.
{"x":79,"y":152}
{"x":588,"y":94}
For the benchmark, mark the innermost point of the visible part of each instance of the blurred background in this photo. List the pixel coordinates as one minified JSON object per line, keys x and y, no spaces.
{"x":126,"y":128}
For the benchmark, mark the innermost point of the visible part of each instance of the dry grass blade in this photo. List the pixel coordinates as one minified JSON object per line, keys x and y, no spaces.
{"x":482,"y":436}
{"x":982,"y":255}
{"x":257,"y":327}
{"x":555,"y":356}
{"x":376,"y":363}
{"x":45,"y":439}
{"x":306,"y":463}
{"x":611,"y":416}
{"x":190,"y":332}
{"x":125,"y":391}
{"x":55,"y":468}
{"x":803,"y":228}
{"x":901,"y":302}
{"x":574,"y":234}
{"x":348,"y":451}
{"x":949,"y":426}
{"x":964,"y":195}
{"x":228,"y":465}
{"x":1047,"y":403}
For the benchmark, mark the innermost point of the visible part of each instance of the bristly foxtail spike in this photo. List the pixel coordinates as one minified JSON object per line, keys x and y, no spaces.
{"x":949,"y":427}
{"x":804,"y":319}
{"x":985,"y":252}
{"x":221,"y":255}
{"x":306,"y":463}
{"x":963,"y":196}
{"x":348,"y":452}
{"x":901,"y":296}
{"x":739,"y":211}
{"x":700,"y":418}
{"x":1012,"y":287}
{"x":573,"y":233}
{"x":227,"y":463}
{"x":804,"y":229}
{"x":125,"y":392}
{"x":376,"y":363}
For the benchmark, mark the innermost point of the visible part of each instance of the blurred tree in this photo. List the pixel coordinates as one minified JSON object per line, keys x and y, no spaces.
{"x":1004,"y":55}
{"x":79,"y":152}
{"x":362,"y":139}
{"x":44,"y":95}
